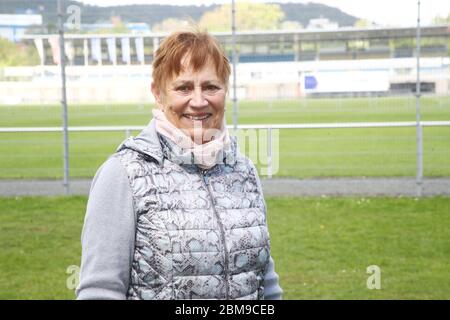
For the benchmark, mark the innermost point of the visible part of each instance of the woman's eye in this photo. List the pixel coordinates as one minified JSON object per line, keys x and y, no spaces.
{"x":183,"y":88}
{"x":212,"y":88}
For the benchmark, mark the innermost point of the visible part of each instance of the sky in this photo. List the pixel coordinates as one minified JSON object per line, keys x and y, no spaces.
{"x":383,"y":12}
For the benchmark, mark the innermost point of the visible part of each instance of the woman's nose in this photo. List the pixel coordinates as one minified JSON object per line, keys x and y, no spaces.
{"x":198,"y":99}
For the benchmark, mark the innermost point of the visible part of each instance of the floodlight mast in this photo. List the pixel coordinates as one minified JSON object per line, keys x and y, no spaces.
{"x":234,"y":58}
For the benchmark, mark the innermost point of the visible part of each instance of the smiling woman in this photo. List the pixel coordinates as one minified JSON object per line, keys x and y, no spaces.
{"x":178,"y":212}
{"x":190,"y":85}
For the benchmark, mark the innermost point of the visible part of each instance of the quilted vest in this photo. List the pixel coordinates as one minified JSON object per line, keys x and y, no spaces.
{"x":200,"y":234}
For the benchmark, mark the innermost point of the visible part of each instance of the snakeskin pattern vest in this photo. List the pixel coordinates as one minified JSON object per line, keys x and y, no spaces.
{"x":199,"y":234}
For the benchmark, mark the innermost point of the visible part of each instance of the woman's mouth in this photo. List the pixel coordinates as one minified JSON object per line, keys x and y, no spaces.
{"x":197,"y":117}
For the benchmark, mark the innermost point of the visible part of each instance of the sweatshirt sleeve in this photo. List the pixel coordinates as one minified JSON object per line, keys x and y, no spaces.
{"x":272,"y":289}
{"x":108,"y":235}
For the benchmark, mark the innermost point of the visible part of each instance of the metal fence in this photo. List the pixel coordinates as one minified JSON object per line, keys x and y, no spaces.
{"x":263,"y":149}
{"x":371,"y":91}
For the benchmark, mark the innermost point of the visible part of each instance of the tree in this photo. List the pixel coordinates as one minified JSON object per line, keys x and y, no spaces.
{"x":170,"y":25}
{"x":441,"y":20}
{"x":117,"y":27}
{"x":438,"y":20}
{"x":291,"y":25}
{"x":12,"y":54}
{"x":363,"y":23}
{"x":249,"y":16}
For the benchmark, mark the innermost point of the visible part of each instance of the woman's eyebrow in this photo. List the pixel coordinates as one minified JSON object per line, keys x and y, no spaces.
{"x":189,"y":82}
{"x":215,"y":82}
{"x":181,"y":82}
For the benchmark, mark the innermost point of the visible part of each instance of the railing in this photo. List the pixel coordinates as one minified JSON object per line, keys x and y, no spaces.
{"x":128,"y":129}
{"x":269,"y":127}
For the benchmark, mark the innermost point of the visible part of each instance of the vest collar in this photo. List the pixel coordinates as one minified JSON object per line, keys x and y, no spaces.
{"x":150,"y":143}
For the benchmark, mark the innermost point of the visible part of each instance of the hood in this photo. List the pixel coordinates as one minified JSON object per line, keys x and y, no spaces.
{"x":147,"y":142}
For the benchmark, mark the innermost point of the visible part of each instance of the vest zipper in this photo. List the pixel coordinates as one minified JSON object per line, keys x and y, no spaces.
{"x":222,"y":231}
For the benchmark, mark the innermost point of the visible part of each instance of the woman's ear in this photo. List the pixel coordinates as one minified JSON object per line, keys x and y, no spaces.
{"x":157,"y":94}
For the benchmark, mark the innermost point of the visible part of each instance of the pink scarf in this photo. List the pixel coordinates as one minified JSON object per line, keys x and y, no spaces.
{"x":205,"y":155}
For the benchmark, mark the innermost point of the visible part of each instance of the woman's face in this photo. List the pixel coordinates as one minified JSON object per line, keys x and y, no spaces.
{"x":194,"y":99}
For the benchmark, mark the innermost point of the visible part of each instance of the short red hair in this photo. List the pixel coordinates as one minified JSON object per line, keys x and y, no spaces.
{"x":200,"y":47}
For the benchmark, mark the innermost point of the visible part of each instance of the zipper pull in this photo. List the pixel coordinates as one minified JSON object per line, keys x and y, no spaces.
{"x":203,"y":173}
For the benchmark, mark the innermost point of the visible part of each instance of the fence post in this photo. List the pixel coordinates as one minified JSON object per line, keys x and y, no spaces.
{"x":234,"y":62}
{"x":269,"y":150}
{"x":419,"y":128}
{"x":62,"y":62}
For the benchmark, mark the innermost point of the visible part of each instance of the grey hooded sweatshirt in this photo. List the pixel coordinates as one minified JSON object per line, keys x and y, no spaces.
{"x":109,"y":232}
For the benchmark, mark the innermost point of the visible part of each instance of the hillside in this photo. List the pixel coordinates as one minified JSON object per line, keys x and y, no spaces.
{"x":152,"y":14}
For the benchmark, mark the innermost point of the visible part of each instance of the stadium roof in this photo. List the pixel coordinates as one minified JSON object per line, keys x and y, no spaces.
{"x":341,"y":34}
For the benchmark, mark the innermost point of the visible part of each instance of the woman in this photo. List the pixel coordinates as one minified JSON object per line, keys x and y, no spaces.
{"x":178,"y":212}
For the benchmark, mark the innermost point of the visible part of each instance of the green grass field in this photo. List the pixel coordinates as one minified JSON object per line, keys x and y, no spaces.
{"x":302,"y":153}
{"x":321,"y":246}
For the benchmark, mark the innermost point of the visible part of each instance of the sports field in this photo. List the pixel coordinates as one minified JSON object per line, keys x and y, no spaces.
{"x":321,"y":246}
{"x":302,"y":153}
